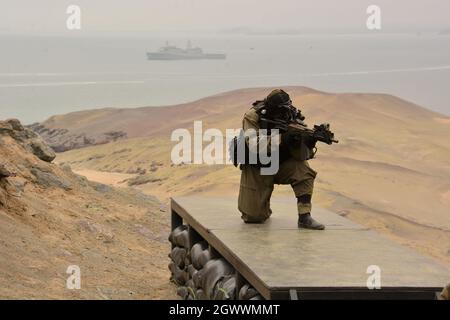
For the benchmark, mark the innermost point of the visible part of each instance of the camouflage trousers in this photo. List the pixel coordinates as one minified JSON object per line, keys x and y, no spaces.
{"x":256,"y":189}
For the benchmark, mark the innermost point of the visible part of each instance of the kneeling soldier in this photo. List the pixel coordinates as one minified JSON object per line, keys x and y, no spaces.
{"x":255,"y":188}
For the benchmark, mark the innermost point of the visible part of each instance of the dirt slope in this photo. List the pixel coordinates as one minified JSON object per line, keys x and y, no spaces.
{"x":51,"y":218}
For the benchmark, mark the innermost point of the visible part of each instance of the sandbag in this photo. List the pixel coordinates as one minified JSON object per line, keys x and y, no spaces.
{"x":197,"y":278}
{"x":200,"y":255}
{"x":247,"y":292}
{"x":190,"y":284}
{"x":191,"y":270}
{"x":180,"y":237}
{"x":201,"y":295}
{"x":192,"y":291}
{"x":176,"y":231}
{"x":225,"y":288}
{"x":190,"y":297}
{"x":179,"y":276}
{"x":212,"y":272}
{"x":187,"y":259}
{"x":195,"y":252}
{"x":182,"y":292}
{"x":206,"y":256}
{"x":178,"y":256}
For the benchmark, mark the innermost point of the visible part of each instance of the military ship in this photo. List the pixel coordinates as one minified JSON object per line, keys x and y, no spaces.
{"x":169,"y":52}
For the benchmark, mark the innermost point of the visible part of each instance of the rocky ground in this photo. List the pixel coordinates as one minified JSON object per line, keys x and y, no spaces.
{"x":51,"y":218}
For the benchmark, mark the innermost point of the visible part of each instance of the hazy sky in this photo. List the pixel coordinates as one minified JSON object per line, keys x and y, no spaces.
{"x":115,"y":16}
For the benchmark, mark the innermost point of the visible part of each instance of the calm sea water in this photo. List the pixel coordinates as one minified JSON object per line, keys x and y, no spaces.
{"x":43,"y":76}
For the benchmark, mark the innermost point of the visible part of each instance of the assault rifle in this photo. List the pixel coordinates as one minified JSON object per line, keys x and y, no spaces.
{"x":320,"y":132}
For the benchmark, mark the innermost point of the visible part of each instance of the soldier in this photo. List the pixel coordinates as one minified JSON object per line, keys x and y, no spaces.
{"x":256,"y":189}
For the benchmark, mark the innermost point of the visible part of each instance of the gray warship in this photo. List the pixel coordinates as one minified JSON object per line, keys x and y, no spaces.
{"x":170,"y":52}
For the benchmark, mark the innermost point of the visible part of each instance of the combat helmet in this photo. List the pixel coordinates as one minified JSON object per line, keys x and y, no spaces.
{"x":278,"y":105}
{"x":277,"y":98}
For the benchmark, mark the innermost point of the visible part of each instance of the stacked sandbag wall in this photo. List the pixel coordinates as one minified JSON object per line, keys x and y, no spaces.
{"x":201,"y":273}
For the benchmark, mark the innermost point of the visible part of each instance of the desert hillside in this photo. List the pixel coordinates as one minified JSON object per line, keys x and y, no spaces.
{"x":51,"y":218}
{"x":390,"y":171}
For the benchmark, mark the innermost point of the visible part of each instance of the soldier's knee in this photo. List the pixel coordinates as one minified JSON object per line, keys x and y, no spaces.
{"x":250,"y":220}
{"x":255,"y":216}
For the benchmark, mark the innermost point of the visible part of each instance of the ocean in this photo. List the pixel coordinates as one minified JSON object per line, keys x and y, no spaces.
{"x":43,"y":76}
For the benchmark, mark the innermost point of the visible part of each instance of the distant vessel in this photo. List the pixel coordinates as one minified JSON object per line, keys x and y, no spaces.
{"x":169,"y":52}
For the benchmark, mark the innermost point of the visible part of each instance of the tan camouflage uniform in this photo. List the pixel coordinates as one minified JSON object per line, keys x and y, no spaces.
{"x":256,"y":189}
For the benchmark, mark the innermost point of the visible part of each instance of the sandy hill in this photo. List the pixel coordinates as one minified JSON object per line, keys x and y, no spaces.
{"x":79,"y":129}
{"x":51,"y":218}
{"x":390,"y":171}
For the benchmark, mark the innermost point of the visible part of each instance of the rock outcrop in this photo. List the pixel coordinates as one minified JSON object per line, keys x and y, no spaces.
{"x":27,"y":138}
{"x":26,"y":160}
{"x":42,"y":151}
{"x":4,"y":172}
{"x":62,"y":140}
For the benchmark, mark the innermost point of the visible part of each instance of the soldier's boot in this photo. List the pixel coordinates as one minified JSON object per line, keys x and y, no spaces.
{"x":307,"y":222}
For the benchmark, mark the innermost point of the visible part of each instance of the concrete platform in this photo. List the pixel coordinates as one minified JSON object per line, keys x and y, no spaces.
{"x":277,"y":257}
